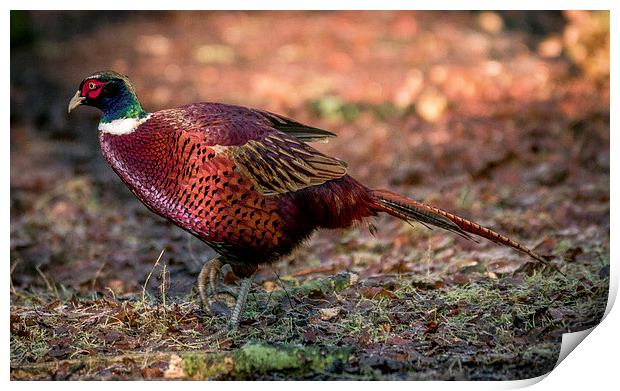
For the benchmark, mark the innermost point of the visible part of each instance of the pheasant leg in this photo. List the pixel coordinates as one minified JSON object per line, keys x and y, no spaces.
{"x":244,"y":290}
{"x":233,"y":322}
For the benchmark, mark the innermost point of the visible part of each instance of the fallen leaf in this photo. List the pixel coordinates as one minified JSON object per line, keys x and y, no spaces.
{"x":152,"y":373}
{"x":174,"y":370}
{"x":503,"y":266}
{"x":377,"y":293}
{"x":60,"y":350}
{"x":113,"y":336}
{"x":329,"y":313}
{"x":431,"y":327}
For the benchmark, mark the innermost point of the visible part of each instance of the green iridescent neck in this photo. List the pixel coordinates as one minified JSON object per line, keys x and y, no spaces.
{"x":124,"y":105}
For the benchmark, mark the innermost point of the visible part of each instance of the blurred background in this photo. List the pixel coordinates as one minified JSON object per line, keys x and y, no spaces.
{"x":502,"y":117}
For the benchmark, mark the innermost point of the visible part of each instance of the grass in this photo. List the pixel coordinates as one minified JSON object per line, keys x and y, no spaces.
{"x":506,"y":323}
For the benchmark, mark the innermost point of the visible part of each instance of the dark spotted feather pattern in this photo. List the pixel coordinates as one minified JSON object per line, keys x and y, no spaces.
{"x":226,"y":175}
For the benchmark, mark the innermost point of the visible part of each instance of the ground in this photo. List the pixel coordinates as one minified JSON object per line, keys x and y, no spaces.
{"x":502,"y":118}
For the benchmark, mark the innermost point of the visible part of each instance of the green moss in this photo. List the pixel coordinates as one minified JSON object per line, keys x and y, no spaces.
{"x":562,"y":247}
{"x":261,"y":358}
{"x":323,"y":286}
{"x":342,"y":281}
{"x":205,"y":366}
{"x":314,"y":287}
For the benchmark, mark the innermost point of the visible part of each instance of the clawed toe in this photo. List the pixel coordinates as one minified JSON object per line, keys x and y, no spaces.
{"x":225,"y":332}
{"x":210,"y":271}
{"x":210,"y":284}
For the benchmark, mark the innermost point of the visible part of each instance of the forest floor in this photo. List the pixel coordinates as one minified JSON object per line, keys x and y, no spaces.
{"x":465,"y":111}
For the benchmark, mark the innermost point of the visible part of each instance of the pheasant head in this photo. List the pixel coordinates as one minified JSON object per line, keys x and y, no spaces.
{"x":113,"y":94}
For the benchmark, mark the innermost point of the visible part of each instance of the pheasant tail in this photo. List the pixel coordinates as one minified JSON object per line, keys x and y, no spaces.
{"x":410,"y":210}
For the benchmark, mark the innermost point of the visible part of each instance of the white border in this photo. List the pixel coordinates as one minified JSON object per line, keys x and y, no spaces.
{"x":592,"y":365}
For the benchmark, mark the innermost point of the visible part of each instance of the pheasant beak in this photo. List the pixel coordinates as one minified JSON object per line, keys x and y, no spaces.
{"x":76,"y":101}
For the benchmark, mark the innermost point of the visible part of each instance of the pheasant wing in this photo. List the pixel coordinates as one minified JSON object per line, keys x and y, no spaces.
{"x":279,"y":163}
{"x":294,"y":128}
{"x":268,"y":149}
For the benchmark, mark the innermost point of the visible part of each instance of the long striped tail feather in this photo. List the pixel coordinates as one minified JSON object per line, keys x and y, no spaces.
{"x":411,"y":210}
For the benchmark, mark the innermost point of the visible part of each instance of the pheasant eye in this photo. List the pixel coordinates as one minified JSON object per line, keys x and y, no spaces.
{"x":91,"y":85}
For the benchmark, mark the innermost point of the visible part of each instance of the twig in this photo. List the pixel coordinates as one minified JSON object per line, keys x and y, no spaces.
{"x":290,"y":300}
{"x":11,"y":276}
{"x":92,"y":287}
{"x":101,"y":360}
{"x":47,"y":283}
{"x":162,"y":287}
{"x":111,"y":292}
{"x":150,"y":274}
{"x":429,"y":257}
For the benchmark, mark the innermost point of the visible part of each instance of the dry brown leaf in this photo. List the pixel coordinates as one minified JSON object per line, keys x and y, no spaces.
{"x":329,"y":313}
{"x":174,"y":370}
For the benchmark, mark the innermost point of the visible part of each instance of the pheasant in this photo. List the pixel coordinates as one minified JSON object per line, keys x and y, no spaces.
{"x":242,"y":180}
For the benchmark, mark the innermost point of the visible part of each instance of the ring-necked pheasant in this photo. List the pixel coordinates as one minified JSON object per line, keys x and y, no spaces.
{"x":242,"y":180}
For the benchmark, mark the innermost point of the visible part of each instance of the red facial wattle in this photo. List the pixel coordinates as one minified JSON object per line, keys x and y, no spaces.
{"x":92,"y":88}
